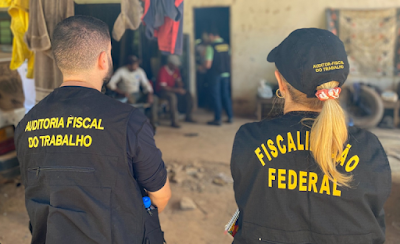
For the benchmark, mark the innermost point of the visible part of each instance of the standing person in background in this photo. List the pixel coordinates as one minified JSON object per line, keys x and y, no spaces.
{"x":85,"y":157}
{"x":305,"y":177}
{"x":127,"y":81}
{"x":200,"y":50}
{"x":202,"y":83}
{"x":218,"y":61}
{"x":170,"y":86}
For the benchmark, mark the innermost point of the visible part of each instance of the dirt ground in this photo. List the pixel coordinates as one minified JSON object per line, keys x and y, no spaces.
{"x":197,"y":157}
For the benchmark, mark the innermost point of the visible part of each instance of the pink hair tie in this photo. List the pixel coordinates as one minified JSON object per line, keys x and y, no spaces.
{"x":326,"y":94}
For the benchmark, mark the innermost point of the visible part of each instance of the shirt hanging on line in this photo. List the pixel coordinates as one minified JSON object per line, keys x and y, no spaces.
{"x":164,"y":21}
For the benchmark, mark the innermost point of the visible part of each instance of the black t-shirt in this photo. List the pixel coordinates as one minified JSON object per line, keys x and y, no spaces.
{"x":284,"y":197}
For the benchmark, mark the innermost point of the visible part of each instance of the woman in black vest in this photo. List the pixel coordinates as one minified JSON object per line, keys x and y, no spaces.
{"x":305,"y":177}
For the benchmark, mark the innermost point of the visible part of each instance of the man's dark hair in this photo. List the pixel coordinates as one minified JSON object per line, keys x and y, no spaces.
{"x":213,"y":31}
{"x":78,"y":41}
{"x":132,"y":59}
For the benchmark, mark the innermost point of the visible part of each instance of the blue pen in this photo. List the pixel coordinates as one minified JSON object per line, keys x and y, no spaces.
{"x":147,"y":204}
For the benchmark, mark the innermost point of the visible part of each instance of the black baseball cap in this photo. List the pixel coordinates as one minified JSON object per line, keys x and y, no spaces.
{"x":310,"y":57}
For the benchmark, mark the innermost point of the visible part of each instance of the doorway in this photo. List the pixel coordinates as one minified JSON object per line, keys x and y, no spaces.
{"x":204,"y":20}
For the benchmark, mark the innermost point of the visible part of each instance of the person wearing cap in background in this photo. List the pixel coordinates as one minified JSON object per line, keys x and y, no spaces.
{"x":127,"y":81}
{"x":218,"y":61}
{"x":170,"y":87}
{"x":306,"y":177}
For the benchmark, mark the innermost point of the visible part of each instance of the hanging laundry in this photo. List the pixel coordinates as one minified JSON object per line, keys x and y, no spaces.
{"x":28,"y":86}
{"x":129,"y":18}
{"x":11,"y":91}
{"x":5,"y":3}
{"x":43,"y":18}
{"x":18,"y":10}
{"x":164,"y":21}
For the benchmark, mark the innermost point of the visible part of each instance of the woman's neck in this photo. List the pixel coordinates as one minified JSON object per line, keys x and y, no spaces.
{"x":292,"y":107}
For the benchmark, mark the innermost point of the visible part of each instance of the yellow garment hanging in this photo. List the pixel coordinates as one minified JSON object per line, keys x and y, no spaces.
{"x":19,"y":25}
{"x":5,"y":3}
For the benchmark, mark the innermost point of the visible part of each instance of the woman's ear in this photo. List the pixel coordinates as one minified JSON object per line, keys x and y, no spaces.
{"x":281,"y":83}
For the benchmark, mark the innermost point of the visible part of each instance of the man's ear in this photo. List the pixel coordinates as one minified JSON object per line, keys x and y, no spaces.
{"x":102,"y":61}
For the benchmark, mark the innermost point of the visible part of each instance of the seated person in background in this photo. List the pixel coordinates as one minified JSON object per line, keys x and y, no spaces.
{"x":127,"y":81}
{"x":170,"y":87}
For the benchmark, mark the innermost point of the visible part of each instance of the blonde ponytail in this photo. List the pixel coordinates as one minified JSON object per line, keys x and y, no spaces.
{"x":328,"y":136}
{"x":328,"y":133}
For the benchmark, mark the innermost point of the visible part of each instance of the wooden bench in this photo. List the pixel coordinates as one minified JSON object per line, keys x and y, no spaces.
{"x":260,"y":105}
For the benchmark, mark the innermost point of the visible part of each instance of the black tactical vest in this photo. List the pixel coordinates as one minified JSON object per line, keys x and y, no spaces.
{"x":284,"y":197}
{"x":221,"y":62}
{"x":79,"y":189}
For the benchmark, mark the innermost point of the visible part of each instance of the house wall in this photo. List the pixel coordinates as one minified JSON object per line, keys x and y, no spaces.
{"x":258,"y":26}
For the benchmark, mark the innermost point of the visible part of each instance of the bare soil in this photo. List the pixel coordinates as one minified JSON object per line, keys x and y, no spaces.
{"x":197,"y":154}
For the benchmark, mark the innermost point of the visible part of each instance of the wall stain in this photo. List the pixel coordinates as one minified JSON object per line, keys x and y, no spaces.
{"x":276,"y":11}
{"x":288,"y":8}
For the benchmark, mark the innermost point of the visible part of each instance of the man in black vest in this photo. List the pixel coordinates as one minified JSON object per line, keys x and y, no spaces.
{"x":85,"y":158}
{"x":218,"y":61}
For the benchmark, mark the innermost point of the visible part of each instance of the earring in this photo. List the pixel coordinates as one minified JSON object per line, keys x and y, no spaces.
{"x":279,"y":94}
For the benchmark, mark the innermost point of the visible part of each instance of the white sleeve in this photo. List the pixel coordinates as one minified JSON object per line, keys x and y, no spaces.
{"x":115,"y":79}
{"x":145,"y":82}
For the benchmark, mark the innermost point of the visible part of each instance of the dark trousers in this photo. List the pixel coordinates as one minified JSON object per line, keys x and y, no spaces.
{"x":220,"y":96}
{"x":203,"y":90}
{"x":172,"y":99}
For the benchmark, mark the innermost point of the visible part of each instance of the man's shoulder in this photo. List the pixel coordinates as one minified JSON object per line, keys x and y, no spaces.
{"x":122,"y":70}
{"x":114,"y":104}
{"x":163,"y":71}
{"x":92,"y":98}
{"x":218,"y":41}
{"x":176,"y":71}
{"x":164,"y":68}
{"x":136,"y":121}
{"x":141,"y":71}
